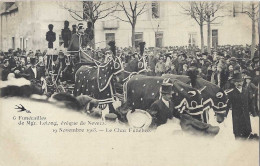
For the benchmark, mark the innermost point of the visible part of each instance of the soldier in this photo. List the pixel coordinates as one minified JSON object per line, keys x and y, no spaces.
{"x":77,"y":41}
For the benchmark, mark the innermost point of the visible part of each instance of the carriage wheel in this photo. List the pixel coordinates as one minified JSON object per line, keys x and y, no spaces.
{"x":60,"y":89}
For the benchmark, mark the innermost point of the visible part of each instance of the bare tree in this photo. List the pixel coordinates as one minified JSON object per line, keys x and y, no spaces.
{"x":203,"y":11}
{"x":91,"y":11}
{"x":210,"y":11}
{"x":252,"y":11}
{"x":196,"y":11}
{"x":132,"y":10}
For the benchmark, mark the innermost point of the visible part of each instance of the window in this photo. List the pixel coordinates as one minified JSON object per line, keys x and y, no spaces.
{"x":24,"y":44}
{"x":158,"y":39}
{"x":192,"y":39}
{"x":214,"y":38}
{"x":13,"y":42}
{"x":110,"y":37}
{"x":138,"y":38}
{"x":155,"y":10}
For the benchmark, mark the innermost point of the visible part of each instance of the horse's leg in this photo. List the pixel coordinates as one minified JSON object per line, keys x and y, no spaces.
{"x":111,"y":108}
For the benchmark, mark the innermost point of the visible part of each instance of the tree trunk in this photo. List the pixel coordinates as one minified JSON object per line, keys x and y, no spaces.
{"x":253,"y":44}
{"x":133,"y":37}
{"x":209,"y":37}
{"x":93,"y":40}
{"x":201,"y":38}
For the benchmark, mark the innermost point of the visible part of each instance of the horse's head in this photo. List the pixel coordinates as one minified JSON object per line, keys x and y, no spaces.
{"x":106,"y":71}
{"x":213,"y":96}
{"x":117,"y":65}
{"x":187,"y":98}
{"x":136,"y":65}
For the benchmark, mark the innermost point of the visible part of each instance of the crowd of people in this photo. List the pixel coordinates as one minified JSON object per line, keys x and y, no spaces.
{"x":218,"y":66}
{"x":221,"y":67}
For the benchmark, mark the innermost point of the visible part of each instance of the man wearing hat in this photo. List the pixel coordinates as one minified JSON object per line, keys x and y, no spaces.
{"x":163,"y":109}
{"x":34,"y":73}
{"x":78,"y":40}
{"x":252,"y":90}
{"x":75,"y":39}
{"x":238,"y":100}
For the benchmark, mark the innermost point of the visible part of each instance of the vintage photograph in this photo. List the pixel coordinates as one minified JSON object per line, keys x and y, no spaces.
{"x":130,"y":83}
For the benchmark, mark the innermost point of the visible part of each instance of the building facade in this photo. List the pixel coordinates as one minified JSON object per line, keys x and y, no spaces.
{"x":24,"y":25}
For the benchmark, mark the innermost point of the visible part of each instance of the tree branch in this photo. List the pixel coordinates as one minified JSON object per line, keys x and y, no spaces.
{"x":141,"y":10}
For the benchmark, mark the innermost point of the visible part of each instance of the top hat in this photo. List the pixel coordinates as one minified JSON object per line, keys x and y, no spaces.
{"x":237,"y":77}
{"x":166,"y":88}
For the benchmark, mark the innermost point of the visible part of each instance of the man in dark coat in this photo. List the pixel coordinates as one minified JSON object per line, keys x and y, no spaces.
{"x":34,"y":72}
{"x":238,"y":100}
{"x":6,"y":70}
{"x":163,"y":109}
{"x":78,"y":40}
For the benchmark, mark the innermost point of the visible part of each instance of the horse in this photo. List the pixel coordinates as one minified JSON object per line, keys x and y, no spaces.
{"x":98,"y":81}
{"x":213,"y":96}
{"x":141,"y":91}
{"x":135,"y":66}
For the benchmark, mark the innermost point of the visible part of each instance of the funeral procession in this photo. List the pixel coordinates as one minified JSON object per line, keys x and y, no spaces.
{"x":143,"y":65}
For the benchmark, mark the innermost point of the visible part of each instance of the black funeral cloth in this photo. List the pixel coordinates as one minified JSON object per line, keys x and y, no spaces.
{"x":213,"y":96}
{"x":105,"y":73}
{"x":86,"y":83}
{"x":141,"y":91}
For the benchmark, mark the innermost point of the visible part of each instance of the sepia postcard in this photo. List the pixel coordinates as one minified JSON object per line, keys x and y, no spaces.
{"x":132,"y":83}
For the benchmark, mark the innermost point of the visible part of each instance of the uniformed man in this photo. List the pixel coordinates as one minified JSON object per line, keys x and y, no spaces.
{"x":77,"y":41}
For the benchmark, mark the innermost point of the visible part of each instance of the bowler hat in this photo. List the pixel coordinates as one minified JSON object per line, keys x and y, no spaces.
{"x":166,"y":88}
{"x":237,"y":77}
{"x":33,"y":60}
{"x":247,"y":77}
